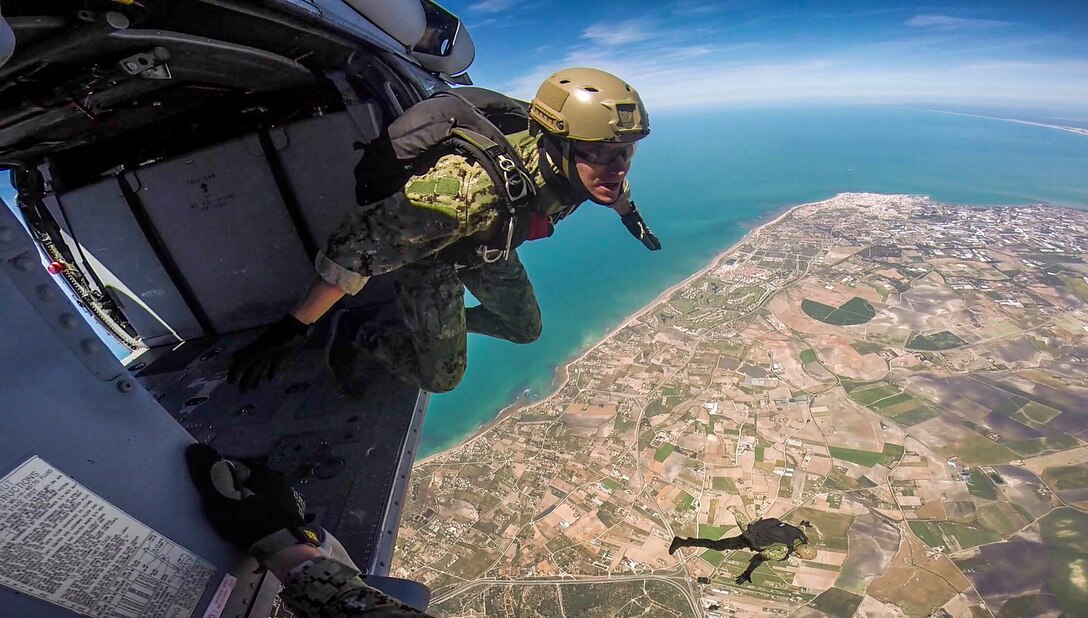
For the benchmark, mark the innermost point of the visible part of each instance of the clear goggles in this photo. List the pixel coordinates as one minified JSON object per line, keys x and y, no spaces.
{"x":600,"y":153}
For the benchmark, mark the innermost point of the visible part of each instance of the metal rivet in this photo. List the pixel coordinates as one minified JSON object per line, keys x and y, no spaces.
{"x":301,"y":387}
{"x":117,"y":20}
{"x":46,"y":292}
{"x":69,"y":321}
{"x":6,"y":234}
{"x":330,"y":468}
{"x":90,"y":346}
{"x":124,"y":386}
{"x":24,"y":264}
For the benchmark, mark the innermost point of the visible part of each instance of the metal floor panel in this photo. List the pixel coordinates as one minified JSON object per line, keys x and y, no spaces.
{"x":349,"y":455}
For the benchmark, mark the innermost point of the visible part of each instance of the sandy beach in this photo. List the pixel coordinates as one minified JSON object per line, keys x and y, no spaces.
{"x":562,"y":372}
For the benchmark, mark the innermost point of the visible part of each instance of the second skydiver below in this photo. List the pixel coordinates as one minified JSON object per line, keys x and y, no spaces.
{"x":770,"y":538}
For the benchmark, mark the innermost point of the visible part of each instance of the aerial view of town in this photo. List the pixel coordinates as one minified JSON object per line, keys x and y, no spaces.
{"x":910,"y":377}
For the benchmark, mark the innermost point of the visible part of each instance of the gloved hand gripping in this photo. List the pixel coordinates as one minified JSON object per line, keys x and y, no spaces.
{"x":264,"y":358}
{"x":248,"y":503}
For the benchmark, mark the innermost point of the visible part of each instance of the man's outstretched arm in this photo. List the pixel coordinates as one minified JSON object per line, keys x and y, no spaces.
{"x":319,"y":298}
{"x":632,"y":220}
{"x":753,"y":564}
{"x":264,"y":357}
{"x":623,"y":205}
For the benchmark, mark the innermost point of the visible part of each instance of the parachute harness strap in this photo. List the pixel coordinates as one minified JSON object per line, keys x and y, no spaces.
{"x":517,"y":186}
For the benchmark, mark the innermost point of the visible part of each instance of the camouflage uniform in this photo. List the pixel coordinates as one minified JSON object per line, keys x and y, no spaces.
{"x":327,"y":588}
{"x":406,"y":232}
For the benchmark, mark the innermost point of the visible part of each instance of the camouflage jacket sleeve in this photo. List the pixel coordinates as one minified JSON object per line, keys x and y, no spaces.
{"x":327,"y":588}
{"x":452,"y":200}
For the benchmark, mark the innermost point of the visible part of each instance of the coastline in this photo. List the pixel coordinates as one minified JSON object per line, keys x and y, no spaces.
{"x":562,"y":372}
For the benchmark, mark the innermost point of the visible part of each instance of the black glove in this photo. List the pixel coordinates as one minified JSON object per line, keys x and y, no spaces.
{"x":263,"y":358}
{"x":638,"y":229}
{"x":743,"y":578}
{"x":248,"y":502}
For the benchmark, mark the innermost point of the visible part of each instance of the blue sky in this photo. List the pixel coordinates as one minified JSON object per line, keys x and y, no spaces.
{"x":704,"y":52}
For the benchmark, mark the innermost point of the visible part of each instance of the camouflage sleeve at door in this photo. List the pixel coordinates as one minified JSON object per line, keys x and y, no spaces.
{"x":452,"y":200}
{"x":327,"y":588}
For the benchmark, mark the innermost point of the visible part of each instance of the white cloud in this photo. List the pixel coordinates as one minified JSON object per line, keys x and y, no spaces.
{"x":621,"y":33}
{"x":946,"y":22}
{"x":693,"y":76}
{"x":492,"y":6}
{"x":670,"y":70}
{"x":696,"y":8}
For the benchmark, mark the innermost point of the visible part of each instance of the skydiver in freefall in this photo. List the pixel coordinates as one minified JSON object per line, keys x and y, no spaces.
{"x":770,"y":538}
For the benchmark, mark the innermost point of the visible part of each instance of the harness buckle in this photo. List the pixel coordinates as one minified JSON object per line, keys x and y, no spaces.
{"x":489,"y":255}
{"x":505,"y":163}
{"x":516,"y":181}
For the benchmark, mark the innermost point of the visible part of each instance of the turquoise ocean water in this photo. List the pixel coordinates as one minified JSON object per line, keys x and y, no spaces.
{"x":702,"y":179}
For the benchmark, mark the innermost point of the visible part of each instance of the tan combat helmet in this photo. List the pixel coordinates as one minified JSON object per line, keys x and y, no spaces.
{"x":589,"y":105}
{"x":584,"y":105}
{"x":805,"y":551}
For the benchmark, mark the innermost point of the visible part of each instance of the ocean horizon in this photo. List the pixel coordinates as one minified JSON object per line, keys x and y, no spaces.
{"x":703,"y":180}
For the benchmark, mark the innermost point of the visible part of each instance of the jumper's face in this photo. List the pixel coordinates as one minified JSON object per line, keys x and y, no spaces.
{"x":602,"y":168}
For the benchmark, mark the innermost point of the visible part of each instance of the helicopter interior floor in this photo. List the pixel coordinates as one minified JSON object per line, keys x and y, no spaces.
{"x":349,"y":453}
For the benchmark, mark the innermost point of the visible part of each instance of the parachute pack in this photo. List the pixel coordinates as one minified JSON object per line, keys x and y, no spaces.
{"x":766,"y":532}
{"x":472,"y":122}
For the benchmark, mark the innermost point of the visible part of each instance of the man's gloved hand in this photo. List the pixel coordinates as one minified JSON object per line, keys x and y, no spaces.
{"x":743,"y":578}
{"x":264,"y":358}
{"x":637,"y":227}
{"x":249,"y":504}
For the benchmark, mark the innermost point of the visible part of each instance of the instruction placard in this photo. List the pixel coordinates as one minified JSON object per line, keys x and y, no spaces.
{"x":61,"y":543}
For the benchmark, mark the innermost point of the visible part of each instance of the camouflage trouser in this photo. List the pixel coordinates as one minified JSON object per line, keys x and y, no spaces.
{"x":722,"y":544}
{"x":330,"y":589}
{"x":428,"y":348}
